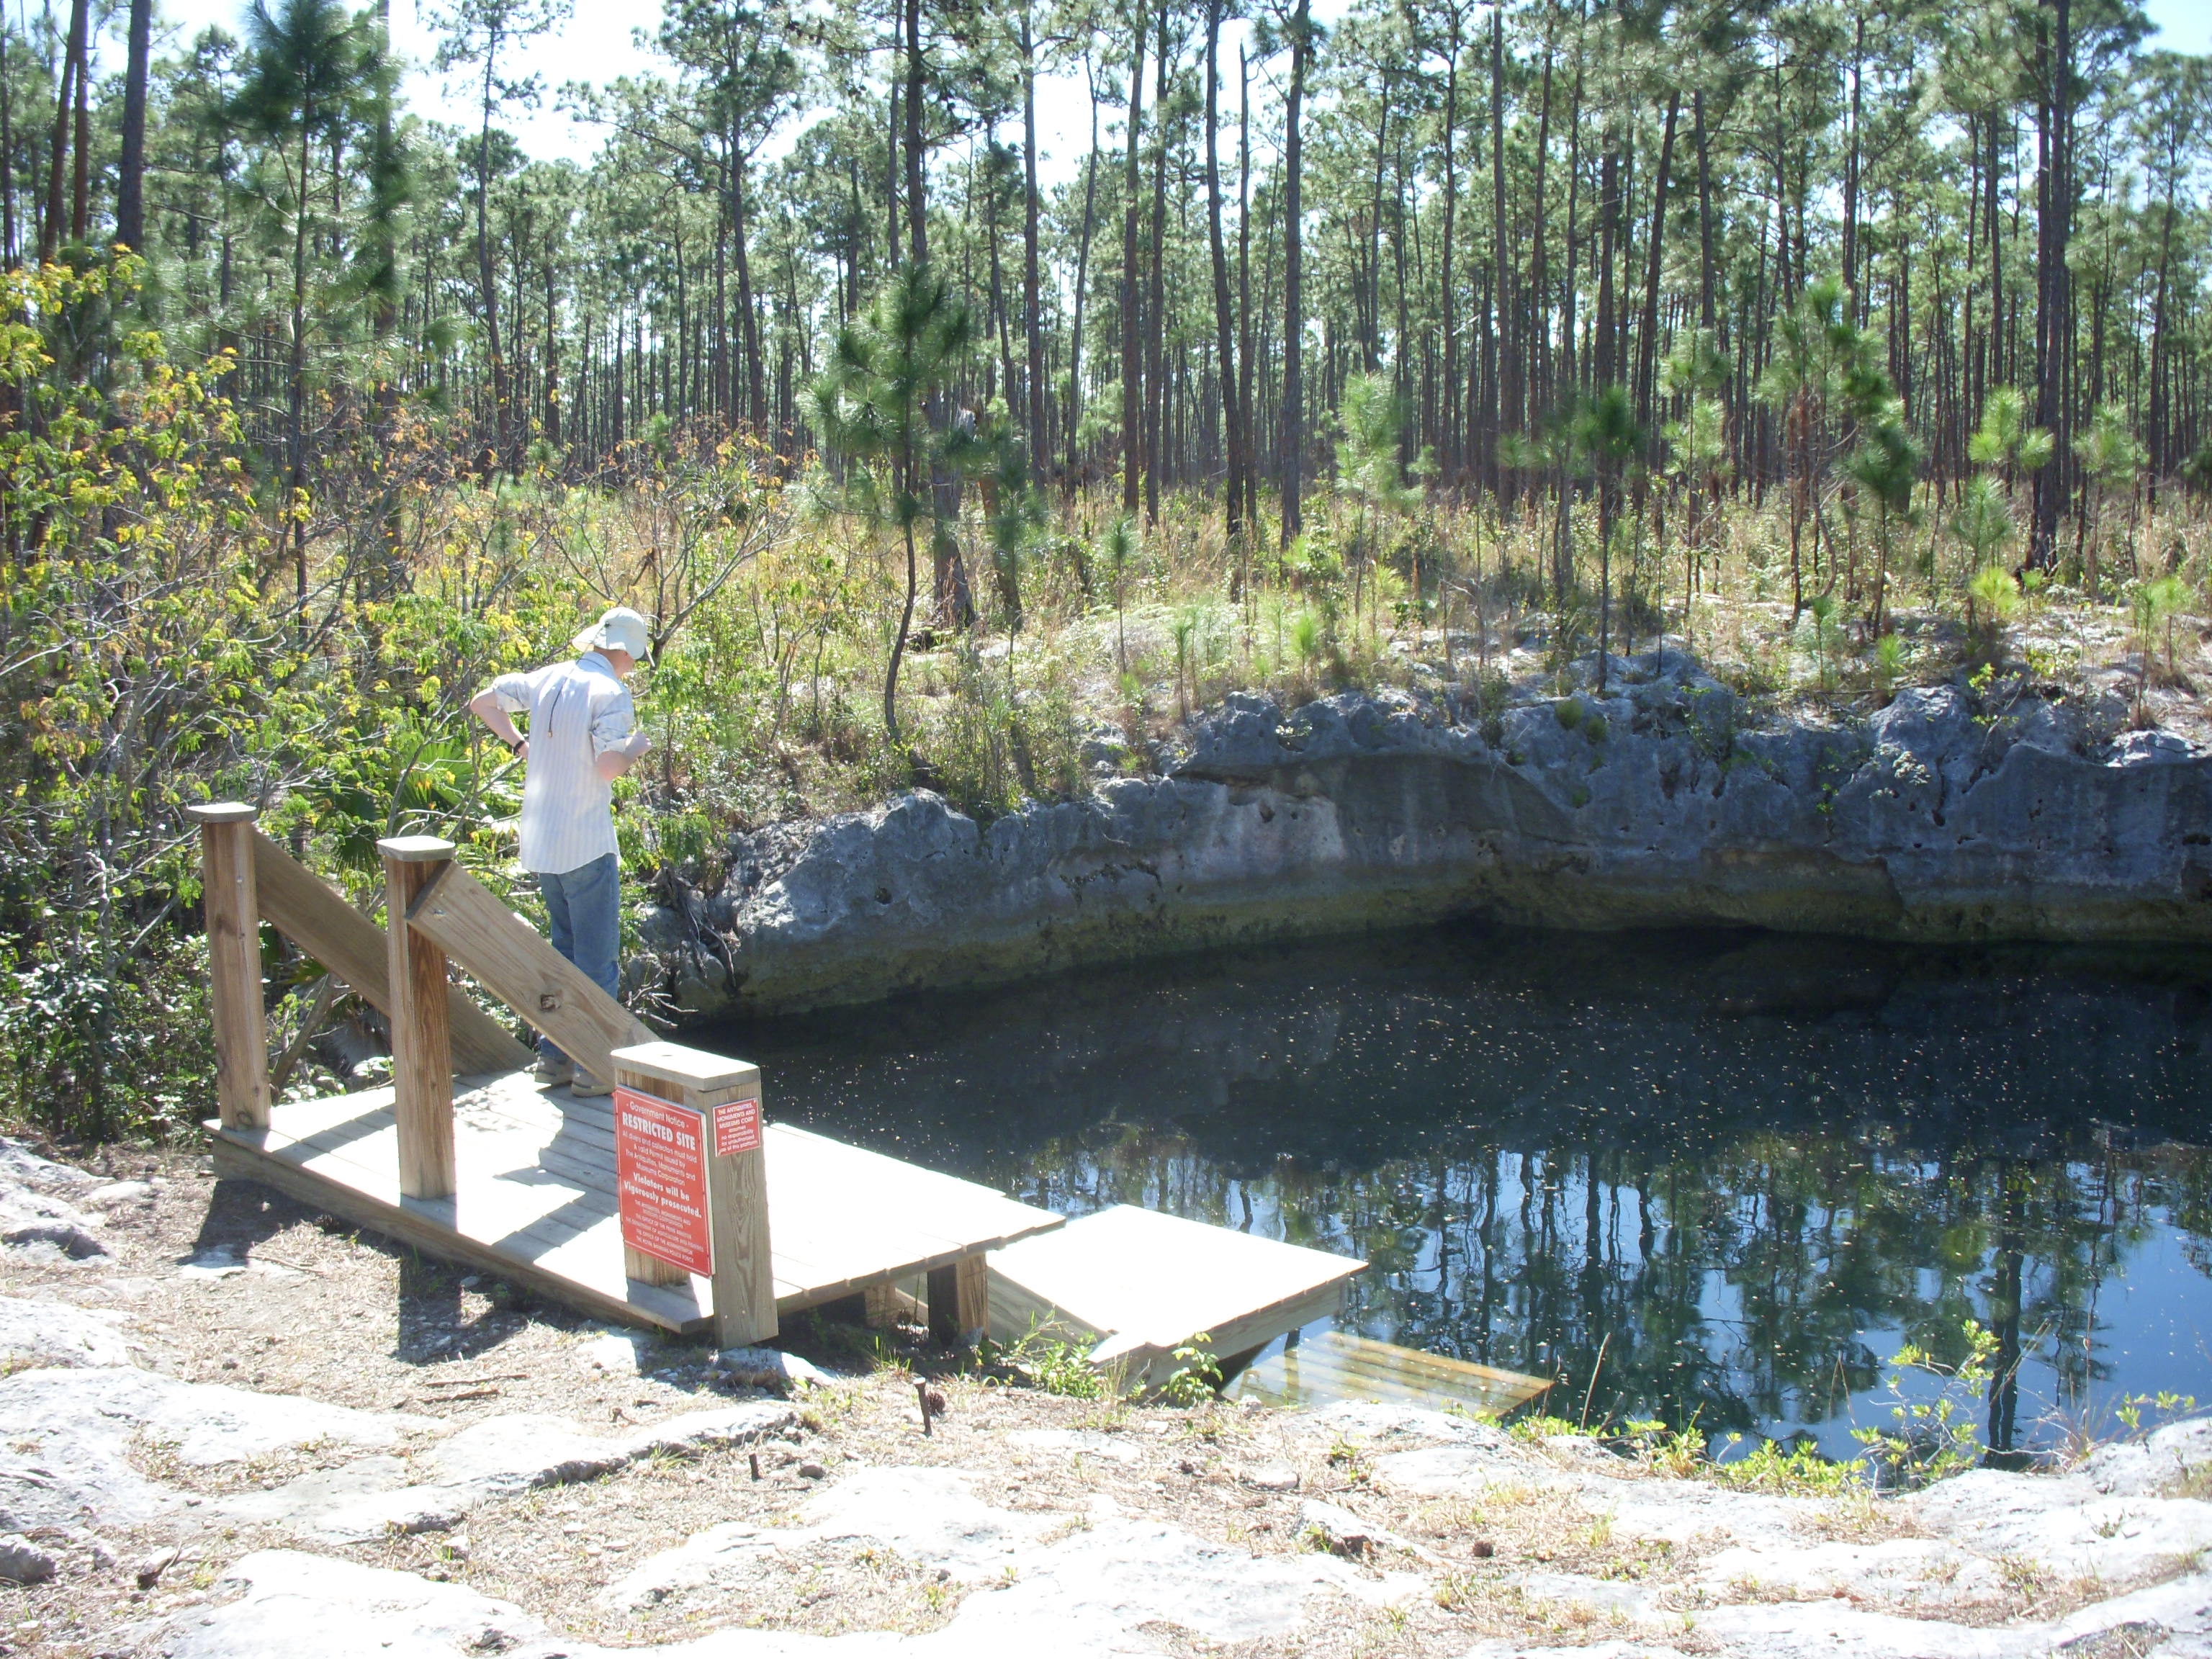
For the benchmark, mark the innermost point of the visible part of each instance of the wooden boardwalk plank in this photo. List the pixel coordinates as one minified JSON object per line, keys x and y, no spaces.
{"x":1143,"y":1283}
{"x":1158,"y":1278}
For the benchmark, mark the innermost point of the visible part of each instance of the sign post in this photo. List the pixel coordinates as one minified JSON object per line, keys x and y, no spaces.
{"x":692,"y":1180}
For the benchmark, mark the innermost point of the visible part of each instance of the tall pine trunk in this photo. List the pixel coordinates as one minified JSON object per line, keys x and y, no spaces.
{"x":50,"y":226}
{"x":1647,"y":338}
{"x":487,"y":287}
{"x":2053,"y":288}
{"x":131,"y":170}
{"x":1032,"y":323}
{"x":1244,"y":353}
{"x":1156,"y":402}
{"x":1074,"y":417}
{"x":1294,"y":275}
{"x":1132,"y":336}
{"x":9,"y":245}
{"x":1513,"y":407}
{"x":1224,"y":352}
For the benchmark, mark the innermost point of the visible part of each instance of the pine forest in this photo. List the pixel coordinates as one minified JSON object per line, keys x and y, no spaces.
{"x":1480,"y":350}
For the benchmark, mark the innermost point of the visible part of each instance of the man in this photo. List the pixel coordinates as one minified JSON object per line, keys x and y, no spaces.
{"x":582,"y":737}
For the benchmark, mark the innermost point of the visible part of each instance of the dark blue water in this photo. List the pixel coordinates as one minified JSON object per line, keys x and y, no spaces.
{"x":1743,"y":1168}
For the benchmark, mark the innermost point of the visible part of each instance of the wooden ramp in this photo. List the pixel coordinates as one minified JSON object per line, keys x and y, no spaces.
{"x":534,"y":1200}
{"x":1140,"y":1283}
{"x":1342,"y":1365}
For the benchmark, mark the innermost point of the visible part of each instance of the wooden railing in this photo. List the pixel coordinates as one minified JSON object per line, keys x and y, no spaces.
{"x":436,"y":912}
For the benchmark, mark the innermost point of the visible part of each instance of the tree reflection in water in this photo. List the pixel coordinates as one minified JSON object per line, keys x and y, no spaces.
{"x":1748,"y":1167}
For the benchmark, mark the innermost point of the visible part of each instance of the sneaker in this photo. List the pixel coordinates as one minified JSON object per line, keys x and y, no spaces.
{"x":554,"y":1072}
{"x":585,"y":1084}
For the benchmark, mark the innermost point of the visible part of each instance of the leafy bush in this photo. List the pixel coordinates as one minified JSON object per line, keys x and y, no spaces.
{"x":1051,"y":1358}
{"x":1933,"y":1437}
{"x":1197,"y":1375}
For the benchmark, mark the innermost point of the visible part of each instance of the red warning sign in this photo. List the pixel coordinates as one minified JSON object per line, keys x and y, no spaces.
{"x":736,"y":1128}
{"x":660,"y":1180}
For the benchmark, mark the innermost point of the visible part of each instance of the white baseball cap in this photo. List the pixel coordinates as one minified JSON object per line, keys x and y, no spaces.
{"x":620,"y":629}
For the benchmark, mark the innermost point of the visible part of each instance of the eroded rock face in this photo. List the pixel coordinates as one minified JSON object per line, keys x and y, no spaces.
{"x":1657,"y":804}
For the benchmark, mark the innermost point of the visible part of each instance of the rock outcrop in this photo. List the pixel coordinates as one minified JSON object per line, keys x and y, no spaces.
{"x":1660,"y":804}
{"x":1991,"y":1565}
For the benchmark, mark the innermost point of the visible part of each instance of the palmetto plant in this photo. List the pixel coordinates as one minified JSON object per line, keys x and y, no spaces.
{"x":871,"y":408}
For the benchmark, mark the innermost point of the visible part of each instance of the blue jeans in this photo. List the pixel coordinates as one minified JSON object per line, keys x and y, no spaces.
{"x":584,"y":906}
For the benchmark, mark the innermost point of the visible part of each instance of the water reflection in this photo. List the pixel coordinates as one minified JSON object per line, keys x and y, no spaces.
{"x":1745,"y":1168}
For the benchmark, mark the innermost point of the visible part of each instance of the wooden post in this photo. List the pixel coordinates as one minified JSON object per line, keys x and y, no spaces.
{"x":234,"y":926}
{"x":960,"y":1301}
{"x":737,"y":1177}
{"x":421,"y":1026}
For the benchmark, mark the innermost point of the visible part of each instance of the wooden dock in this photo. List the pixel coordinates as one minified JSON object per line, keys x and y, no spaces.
{"x":674,"y":1204}
{"x":534,"y":1201}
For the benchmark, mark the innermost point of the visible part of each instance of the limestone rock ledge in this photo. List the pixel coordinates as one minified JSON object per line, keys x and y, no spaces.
{"x":1660,"y":804}
{"x":2093,"y":1564}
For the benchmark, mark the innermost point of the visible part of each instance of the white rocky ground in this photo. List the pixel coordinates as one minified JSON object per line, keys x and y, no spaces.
{"x":143,"y":1512}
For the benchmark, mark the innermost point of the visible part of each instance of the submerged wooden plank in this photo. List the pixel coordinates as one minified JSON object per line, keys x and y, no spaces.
{"x":1370,"y":1355}
{"x":1338,"y":1365}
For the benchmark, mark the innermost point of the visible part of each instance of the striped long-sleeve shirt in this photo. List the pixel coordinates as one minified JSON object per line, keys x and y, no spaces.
{"x":577,"y":711}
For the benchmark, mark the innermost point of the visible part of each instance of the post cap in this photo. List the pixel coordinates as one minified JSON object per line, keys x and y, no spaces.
{"x":694,"y":1068}
{"x":222,"y":812}
{"x":414,"y":849}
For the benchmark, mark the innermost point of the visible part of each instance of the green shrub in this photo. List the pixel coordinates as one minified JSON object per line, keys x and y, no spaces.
{"x":1197,"y":1375}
